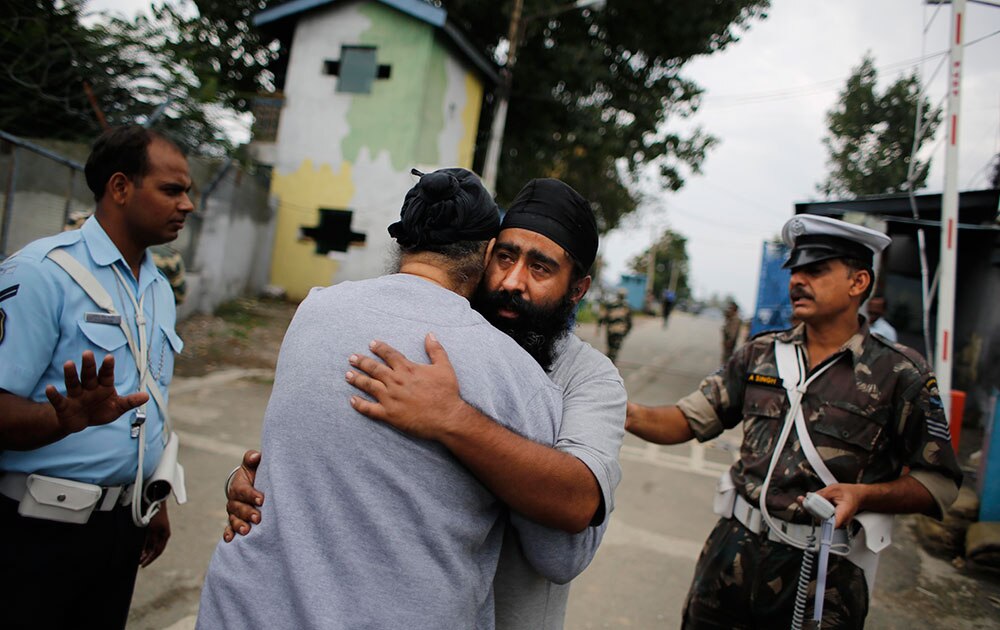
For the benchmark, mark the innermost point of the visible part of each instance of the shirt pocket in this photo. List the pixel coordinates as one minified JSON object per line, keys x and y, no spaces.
{"x":762,"y":418}
{"x":170,"y":345}
{"x":846,"y":422}
{"x":108,"y":337}
{"x":763,"y":402}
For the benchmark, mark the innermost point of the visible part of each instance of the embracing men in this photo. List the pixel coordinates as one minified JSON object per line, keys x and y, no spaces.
{"x":559,"y":497}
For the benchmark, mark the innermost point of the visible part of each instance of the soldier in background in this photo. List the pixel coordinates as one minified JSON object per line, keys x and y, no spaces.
{"x":167,"y":259}
{"x":731,"y":328}
{"x":617,"y":317}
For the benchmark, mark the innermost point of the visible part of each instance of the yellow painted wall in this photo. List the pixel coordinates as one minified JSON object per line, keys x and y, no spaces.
{"x":295,"y":264}
{"x":470,"y":120}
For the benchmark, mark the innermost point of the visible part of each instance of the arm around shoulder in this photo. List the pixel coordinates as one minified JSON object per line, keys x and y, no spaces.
{"x":660,"y":425}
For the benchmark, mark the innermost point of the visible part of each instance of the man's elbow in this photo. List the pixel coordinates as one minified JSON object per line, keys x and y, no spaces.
{"x":582,"y":515}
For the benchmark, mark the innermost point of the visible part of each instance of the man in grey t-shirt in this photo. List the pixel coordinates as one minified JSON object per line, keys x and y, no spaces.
{"x":367,"y":526}
{"x":534,"y":280}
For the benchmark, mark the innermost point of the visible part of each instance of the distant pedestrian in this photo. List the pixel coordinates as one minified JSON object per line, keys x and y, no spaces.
{"x":878,"y":324}
{"x":669,"y":298}
{"x":617,"y":316}
{"x":731,"y":328}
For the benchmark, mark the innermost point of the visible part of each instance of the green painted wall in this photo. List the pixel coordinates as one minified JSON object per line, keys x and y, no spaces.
{"x":392,"y":118}
{"x":432,"y":113}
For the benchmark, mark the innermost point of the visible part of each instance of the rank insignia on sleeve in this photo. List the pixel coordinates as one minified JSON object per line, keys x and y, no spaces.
{"x":9,"y":292}
{"x":764,"y":379}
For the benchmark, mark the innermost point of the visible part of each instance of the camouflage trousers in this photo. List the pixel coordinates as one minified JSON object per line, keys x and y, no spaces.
{"x":614,"y":345}
{"x":743,"y":581}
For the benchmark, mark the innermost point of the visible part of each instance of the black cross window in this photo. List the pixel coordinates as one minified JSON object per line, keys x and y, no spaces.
{"x":333,"y":234}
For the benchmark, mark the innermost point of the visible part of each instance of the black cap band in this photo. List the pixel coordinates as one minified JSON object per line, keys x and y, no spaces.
{"x":812,"y":248}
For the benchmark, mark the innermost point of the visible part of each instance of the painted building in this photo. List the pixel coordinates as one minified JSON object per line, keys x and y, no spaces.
{"x":371,"y":89}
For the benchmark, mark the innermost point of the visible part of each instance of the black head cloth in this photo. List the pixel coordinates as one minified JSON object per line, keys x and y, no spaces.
{"x":553,"y":209}
{"x":444,"y":207}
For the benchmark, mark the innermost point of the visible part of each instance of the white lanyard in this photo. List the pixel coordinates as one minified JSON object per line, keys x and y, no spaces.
{"x":140,"y":352}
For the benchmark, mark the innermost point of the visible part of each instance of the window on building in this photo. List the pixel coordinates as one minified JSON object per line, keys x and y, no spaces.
{"x":356,"y":69}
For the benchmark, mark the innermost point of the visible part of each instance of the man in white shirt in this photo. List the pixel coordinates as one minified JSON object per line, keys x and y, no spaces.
{"x":878,"y":323}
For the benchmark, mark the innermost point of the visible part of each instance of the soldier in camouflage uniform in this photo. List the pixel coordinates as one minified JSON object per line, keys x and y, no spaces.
{"x":167,"y":259}
{"x":617,"y":316}
{"x":874,"y":416}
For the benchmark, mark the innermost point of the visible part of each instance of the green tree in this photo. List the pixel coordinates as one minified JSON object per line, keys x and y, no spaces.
{"x":50,"y":59}
{"x":871,"y":136}
{"x":595,"y":92}
{"x":232,"y":60}
{"x":671,"y":258}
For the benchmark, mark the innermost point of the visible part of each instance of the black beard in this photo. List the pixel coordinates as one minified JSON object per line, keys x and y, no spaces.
{"x":536,"y":329}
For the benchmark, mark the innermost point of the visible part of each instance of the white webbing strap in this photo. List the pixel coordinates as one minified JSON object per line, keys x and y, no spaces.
{"x":876,"y":528}
{"x":791,"y":360}
{"x":792,"y":371}
{"x":93,"y":288}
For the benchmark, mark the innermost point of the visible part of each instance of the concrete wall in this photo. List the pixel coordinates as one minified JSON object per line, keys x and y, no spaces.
{"x":354,"y":151}
{"x":233,"y":240}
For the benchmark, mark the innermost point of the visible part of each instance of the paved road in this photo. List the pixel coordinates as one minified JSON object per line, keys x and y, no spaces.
{"x":662,"y":513}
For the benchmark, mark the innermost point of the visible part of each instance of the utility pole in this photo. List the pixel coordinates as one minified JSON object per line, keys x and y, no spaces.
{"x":514,"y":32}
{"x":500,"y":113}
{"x":651,"y":262}
{"x":945,"y":338}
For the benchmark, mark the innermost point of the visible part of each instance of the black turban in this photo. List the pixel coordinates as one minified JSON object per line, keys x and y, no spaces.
{"x":556,"y":211}
{"x":445,"y":207}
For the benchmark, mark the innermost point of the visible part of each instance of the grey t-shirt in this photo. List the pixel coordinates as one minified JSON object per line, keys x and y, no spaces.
{"x":364,"y":526}
{"x":537,"y":563}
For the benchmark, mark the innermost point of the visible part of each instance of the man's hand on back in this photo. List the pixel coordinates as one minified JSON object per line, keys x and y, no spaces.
{"x":418,"y":399}
{"x":243,"y":498}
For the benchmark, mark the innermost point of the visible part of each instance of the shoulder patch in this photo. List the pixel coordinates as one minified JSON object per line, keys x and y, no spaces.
{"x":764,"y":379}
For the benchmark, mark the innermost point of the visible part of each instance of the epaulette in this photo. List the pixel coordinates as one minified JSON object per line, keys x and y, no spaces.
{"x":40,"y":248}
{"x":911,"y":355}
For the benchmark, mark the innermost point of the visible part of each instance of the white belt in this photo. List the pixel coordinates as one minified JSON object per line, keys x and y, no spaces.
{"x":13,"y":485}
{"x":750,"y":517}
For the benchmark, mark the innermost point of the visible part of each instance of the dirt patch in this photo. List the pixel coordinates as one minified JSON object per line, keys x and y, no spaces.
{"x":246,"y":332}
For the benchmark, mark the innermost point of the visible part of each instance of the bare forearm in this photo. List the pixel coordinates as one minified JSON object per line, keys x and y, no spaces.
{"x":547,"y":486}
{"x":905,"y":495}
{"x":660,"y":425}
{"x":26,"y":425}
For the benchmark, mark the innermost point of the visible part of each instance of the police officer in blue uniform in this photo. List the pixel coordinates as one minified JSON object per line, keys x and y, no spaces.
{"x":72,"y":542}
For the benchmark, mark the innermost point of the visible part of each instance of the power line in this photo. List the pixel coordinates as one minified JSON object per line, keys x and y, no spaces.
{"x":811,"y":89}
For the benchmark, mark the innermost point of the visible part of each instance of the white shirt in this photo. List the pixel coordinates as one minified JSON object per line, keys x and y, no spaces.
{"x":881,"y":327}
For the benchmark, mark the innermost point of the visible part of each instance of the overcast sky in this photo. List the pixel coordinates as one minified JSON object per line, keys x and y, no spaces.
{"x":766,"y":100}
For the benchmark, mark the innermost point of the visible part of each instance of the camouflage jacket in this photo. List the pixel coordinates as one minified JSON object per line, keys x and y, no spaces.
{"x":875,"y":411}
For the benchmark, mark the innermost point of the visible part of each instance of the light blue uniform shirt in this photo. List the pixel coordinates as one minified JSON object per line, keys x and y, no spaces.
{"x":45,"y":326}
